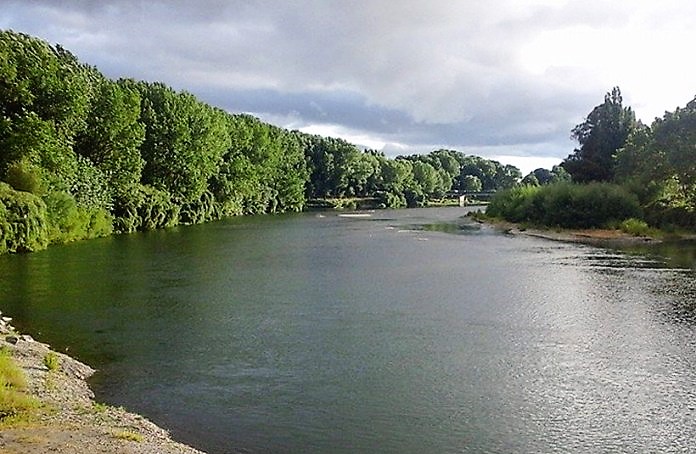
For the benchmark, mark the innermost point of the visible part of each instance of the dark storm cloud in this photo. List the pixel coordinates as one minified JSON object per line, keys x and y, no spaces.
{"x":505,"y":74}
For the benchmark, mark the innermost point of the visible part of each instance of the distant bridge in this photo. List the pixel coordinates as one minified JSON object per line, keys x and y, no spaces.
{"x":469,"y":197}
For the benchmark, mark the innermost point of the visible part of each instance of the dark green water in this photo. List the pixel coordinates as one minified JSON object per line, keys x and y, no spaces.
{"x":404,"y":332}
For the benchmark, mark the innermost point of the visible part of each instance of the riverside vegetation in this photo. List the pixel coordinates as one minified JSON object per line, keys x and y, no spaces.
{"x":624,"y":174}
{"x":83,"y":156}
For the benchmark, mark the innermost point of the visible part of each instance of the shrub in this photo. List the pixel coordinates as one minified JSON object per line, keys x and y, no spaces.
{"x":635,"y":227}
{"x":146,"y":208}
{"x":11,"y":376}
{"x":101,"y":223}
{"x":390,"y":199}
{"x":100,"y":407}
{"x":514,"y":204}
{"x":671,"y":217}
{"x":67,"y":222}
{"x":566,"y":205}
{"x":24,"y":176}
{"x":51,"y":361}
{"x":23,"y":221}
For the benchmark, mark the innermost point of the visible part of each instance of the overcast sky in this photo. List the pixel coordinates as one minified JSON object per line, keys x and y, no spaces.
{"x":502,"y":79}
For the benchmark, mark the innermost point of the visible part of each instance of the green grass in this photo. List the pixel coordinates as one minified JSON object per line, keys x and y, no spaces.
{"x":128,"y":435}
{"x":100,"y":407}
{"x":51,"y":361}
{"x":11,"y":375}
{"x":15,"y":406}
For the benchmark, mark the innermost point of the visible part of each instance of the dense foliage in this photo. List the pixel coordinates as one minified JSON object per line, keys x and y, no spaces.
{"x":603,"y":132}
{"x":339,"y":169}
{"x":557,"y":174}
{"x":83,"y":156}
{"x":566,"y":205}
{"x":653,"y":167}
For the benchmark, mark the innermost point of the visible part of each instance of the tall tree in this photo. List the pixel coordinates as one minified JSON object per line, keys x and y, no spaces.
{"x":113,"y":135}
{"x":660,"y":162}
{"x":603,"y":132}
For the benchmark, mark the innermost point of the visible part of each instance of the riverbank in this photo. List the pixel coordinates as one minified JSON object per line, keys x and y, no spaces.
{"x":594,"y":237}
{"x":67,"y":419}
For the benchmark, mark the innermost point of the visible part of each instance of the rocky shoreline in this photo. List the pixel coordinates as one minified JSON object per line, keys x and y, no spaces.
{"x":68,"y":420}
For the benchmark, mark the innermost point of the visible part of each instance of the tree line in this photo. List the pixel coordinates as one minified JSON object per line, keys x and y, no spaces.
{"x":622,"y":169}
{"x":339,"y":169}
{"x":84,"y":156}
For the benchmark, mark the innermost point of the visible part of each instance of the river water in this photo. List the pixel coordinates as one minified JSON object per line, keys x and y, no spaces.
{"x":411,"y":331}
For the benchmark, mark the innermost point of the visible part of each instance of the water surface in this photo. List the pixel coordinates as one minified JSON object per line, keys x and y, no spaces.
{"x":403,"y":332}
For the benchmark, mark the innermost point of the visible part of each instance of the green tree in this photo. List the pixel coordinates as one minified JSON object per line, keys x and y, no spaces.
{"x":530,"y":180}
{"x":507,"y":176}
{"x":426,"y":177}
{"x":447,"y":161}
{"x":114,"y":134}
{"x":44,"y":99}
{"x":603,"y":132}
{"x":675,"y":138}
{"x":471,"y":183}
{"x":36,"y":77}
{"x":484,"y":169}
{"x":659,"y":162}
{"x":184,"y":141}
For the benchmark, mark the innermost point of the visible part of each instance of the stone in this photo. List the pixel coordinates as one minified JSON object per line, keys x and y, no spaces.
{"x":12,"y":339}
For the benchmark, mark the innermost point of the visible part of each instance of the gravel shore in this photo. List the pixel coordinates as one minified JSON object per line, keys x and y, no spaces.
{"x":69,"y":421}
{"x":594,"y":237}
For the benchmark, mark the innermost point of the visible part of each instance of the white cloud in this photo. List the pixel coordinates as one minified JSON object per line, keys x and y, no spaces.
{"x":354,"y":137}
{"x":507,"y":78}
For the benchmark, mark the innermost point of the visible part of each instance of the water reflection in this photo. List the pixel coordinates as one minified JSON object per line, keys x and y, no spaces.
{"x":677,"y":254}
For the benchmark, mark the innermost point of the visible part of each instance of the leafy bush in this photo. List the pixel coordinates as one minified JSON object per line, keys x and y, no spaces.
{"x":11,"y":376}
{"x":101,"y":223}
{"x":146,"y":208}
{"x":202,"y":210}
{"x":678,"y":217}
{"x":635,"y":227}
{"x":515,"y":204}
{"x":66,"y":221}
{"x":566,"y":205}
{"x":51,"y":361}
{"x":70,"y":222}
{"x":23,"y":221}
{"x":24,"y":176}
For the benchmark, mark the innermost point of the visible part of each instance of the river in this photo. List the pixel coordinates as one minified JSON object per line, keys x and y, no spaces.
{"x":407,"y":331}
